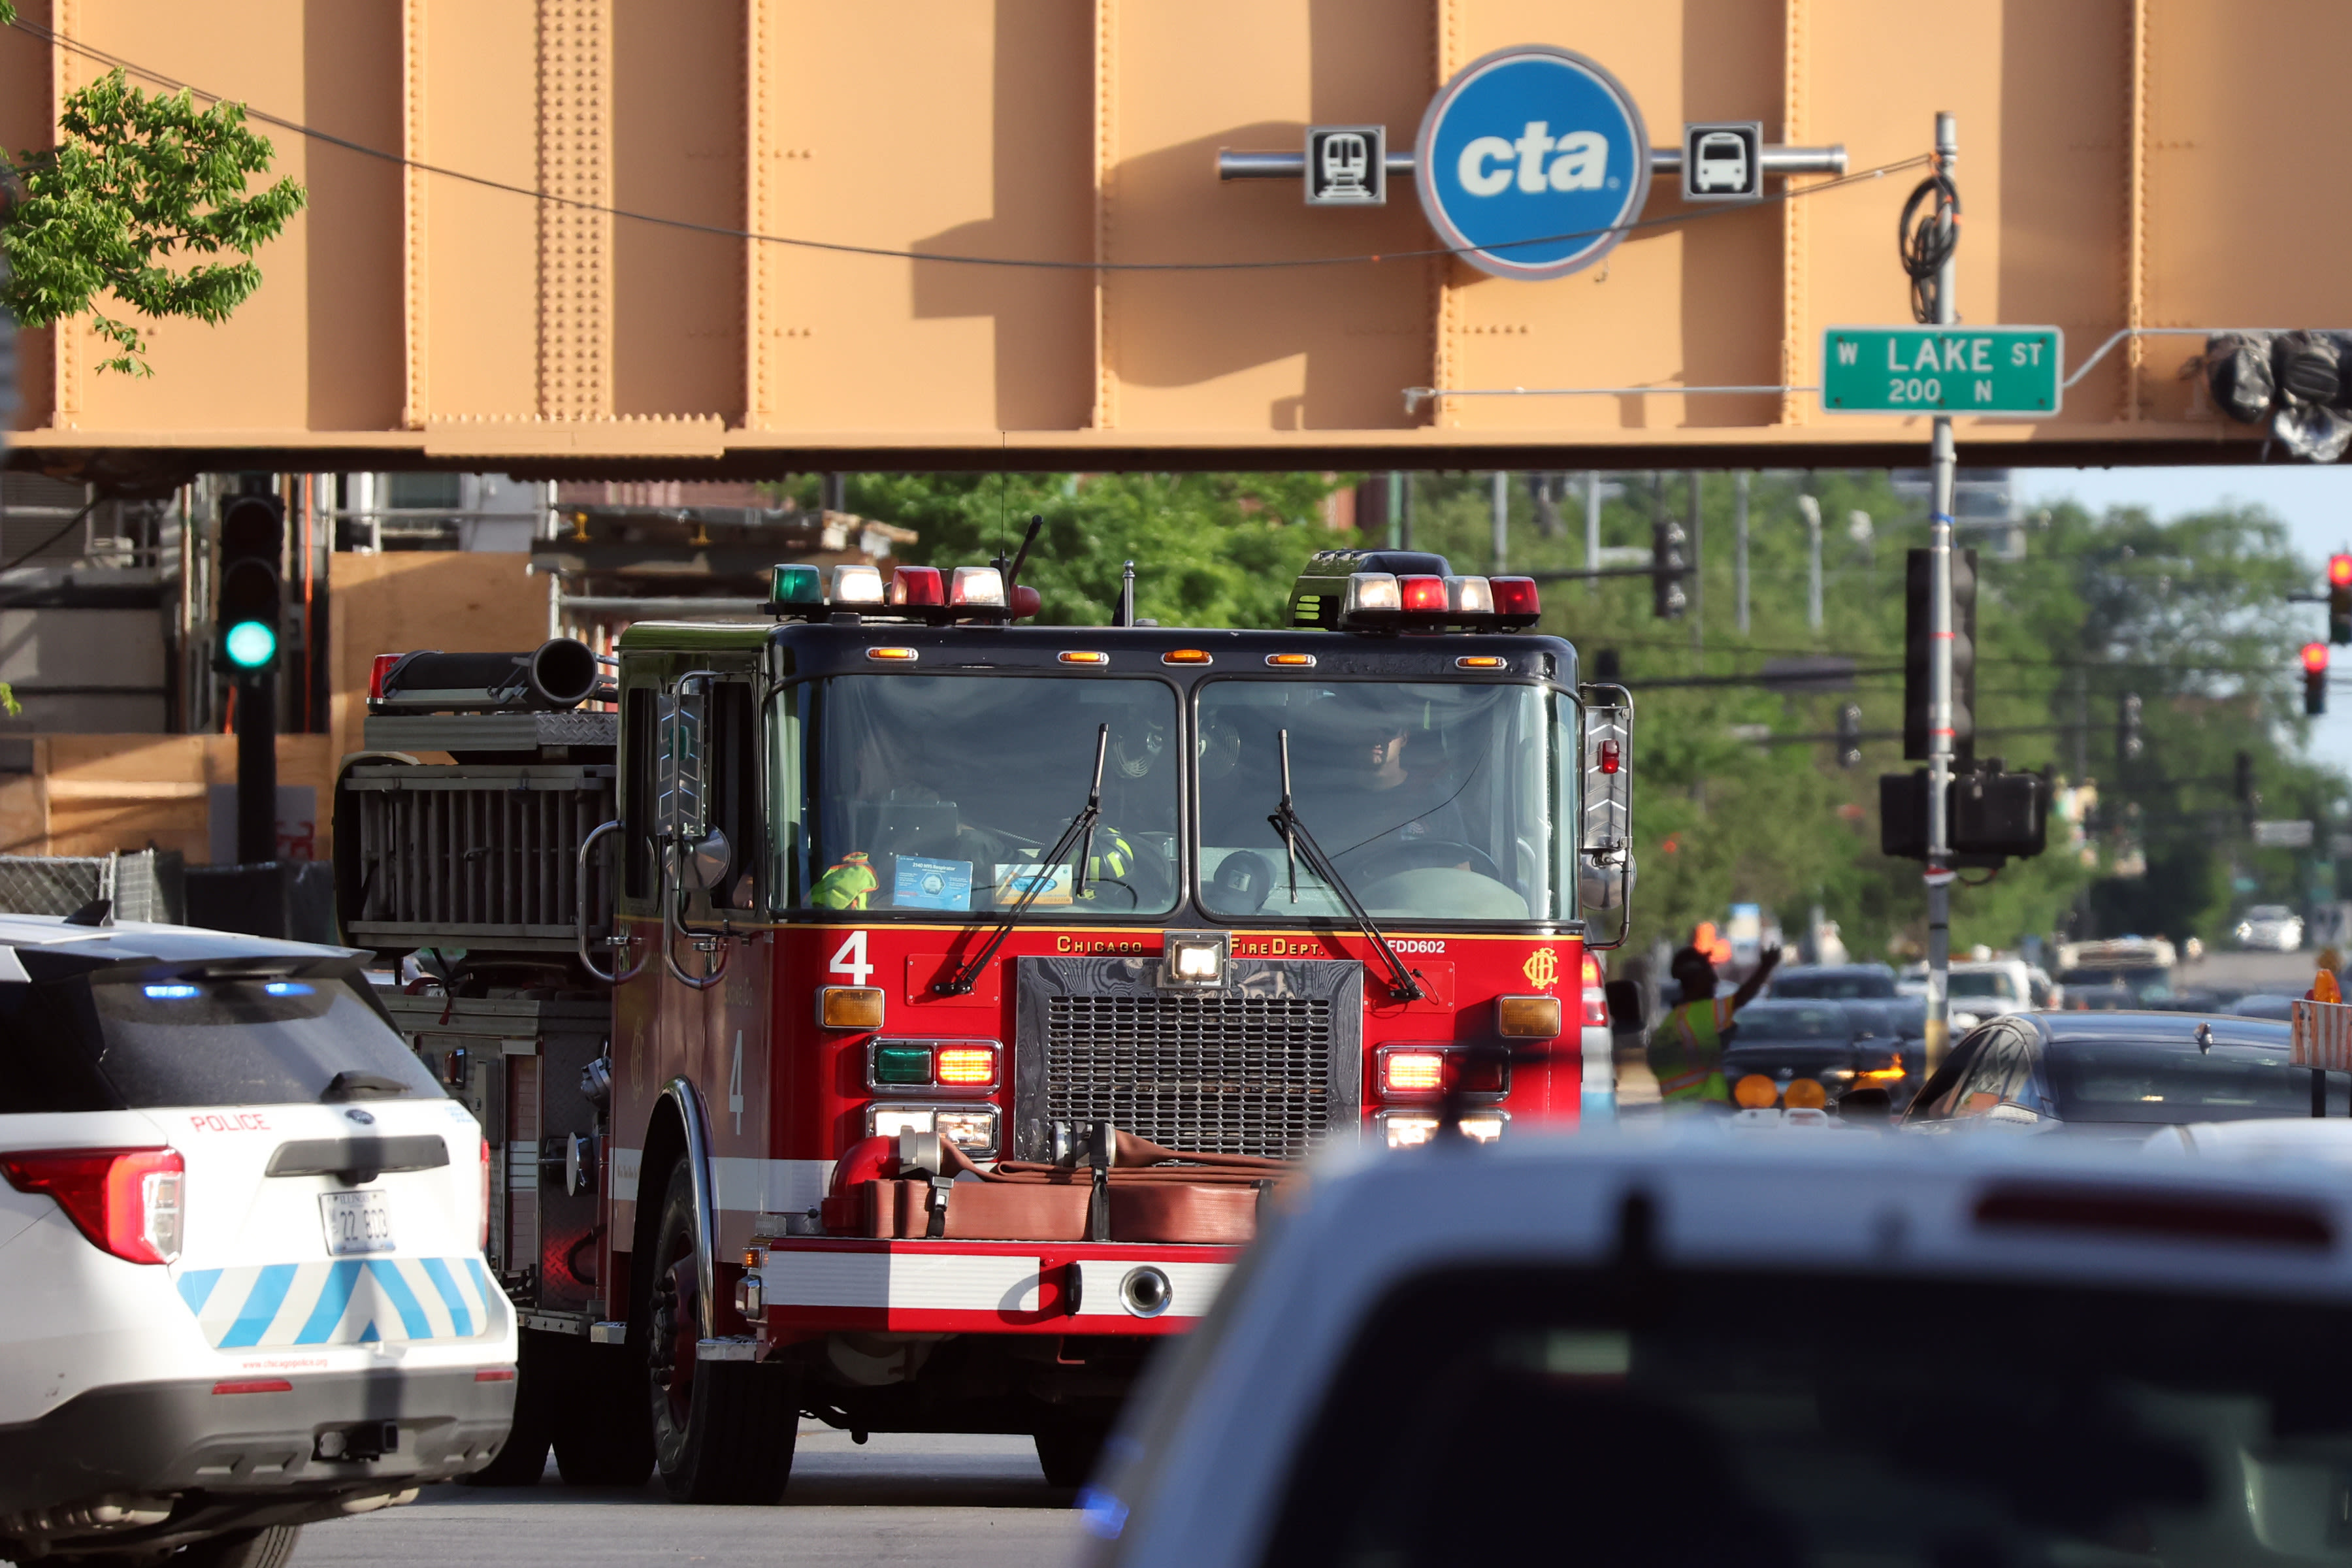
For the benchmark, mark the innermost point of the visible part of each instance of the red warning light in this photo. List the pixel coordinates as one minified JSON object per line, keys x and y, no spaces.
{"x":2314,"y":658}
{"x":2339,"y":570}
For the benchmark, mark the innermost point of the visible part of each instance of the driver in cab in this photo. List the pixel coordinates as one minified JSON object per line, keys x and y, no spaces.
{"x":1380,"y":790}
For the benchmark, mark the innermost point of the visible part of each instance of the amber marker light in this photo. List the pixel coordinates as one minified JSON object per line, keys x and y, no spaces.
{"x":849,"y":1006}
{"x":1755,"y":1093}
{"x":1291,"y":660}
{"x":967,"y":1067}
{"x":1413,"y":1072}
{"x":1478,"y":661}
{"x":1084,"y":658}
{"x":1186,"y":656}
{"x":1805,"y":1094}
{"x":891,"y":655}
{"x":1526,"y":1017}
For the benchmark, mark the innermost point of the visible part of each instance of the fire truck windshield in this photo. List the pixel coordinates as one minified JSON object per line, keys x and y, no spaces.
{"x":945,"y":792}
{"x":1436,"y":803}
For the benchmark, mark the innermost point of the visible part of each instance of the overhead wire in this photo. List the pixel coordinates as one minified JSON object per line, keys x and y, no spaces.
{"x":1264,"y":264}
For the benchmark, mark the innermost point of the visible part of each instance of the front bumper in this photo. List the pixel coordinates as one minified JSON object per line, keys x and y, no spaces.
{"x":161,"y":1438}
{"x":811,"y":1285}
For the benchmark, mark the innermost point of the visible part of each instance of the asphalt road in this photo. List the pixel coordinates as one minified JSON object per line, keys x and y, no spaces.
{"x":974,"y":1502}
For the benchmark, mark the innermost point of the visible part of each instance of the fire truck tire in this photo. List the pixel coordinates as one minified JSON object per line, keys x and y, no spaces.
{"x":724,"y":1431}
{"x":1067,"y":1451}
{"x":522,"y":1459}
{"x":603,"y":1439}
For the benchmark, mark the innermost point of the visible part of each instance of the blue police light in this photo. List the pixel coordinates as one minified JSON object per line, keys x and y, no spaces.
{"x":250,"y":645}
{"x":1533,"y":159}
{"x":173,"y":992}
{"x":288,"y":988}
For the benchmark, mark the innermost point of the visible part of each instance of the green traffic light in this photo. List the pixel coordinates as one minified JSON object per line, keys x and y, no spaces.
{"x":250,"y":645}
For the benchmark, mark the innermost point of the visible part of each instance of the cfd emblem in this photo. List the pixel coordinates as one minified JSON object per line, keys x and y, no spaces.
{"x":1541,"y":969}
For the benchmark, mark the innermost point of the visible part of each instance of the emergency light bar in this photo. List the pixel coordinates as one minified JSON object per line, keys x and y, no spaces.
{"x":1406,"y":590}
{"x":1382,"y":602}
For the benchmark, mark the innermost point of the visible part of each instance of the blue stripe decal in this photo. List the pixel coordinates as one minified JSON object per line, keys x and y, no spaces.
{"x":334,"y":1299}
{"x":461,"y":1317}
{"x":404,"y":1299}
{"x":196,"y":1287}
{"x":481,"y":1278}
{"x":261,"y":1306}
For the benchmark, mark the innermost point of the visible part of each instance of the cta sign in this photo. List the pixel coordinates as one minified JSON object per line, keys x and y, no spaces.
{"x":1531,"y":161}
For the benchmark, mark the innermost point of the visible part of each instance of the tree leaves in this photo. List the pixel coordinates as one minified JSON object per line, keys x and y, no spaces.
{"x":136,"y":184}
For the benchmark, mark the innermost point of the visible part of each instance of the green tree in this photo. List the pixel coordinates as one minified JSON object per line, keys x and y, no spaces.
{"x":1211,"y":549}
{"x":136,"y":186}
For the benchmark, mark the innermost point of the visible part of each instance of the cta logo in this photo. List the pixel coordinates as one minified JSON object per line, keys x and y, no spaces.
{"x":1532,"y":160}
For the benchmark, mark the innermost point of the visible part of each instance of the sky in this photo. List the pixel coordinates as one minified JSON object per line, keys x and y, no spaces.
{"x":2314,"y":501}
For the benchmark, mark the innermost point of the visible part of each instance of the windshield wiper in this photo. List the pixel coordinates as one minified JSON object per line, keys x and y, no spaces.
{"x":349,"y":1085}
{"x":1082,"y":826}
{"x":1296,"y":841}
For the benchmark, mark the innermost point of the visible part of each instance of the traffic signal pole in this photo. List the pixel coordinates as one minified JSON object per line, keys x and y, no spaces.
{"x":257,"y":767}
{"x":1938,"y":875}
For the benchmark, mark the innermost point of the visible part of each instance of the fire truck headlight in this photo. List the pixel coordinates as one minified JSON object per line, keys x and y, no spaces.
{"x":971,"y":1128}
{"x":890,"y":1121}
{"x":1483,"y":1129}
{"x":849,"y":1006}
{"x":1409,"y":1131}
{"x":1195,"y":958}
{"x":1526,"y":1017}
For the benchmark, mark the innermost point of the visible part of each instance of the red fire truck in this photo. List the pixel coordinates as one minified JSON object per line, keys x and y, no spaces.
{"x":902,"y":1015}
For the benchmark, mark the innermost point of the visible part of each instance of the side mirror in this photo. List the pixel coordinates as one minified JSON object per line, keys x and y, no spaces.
{"x":1604,"y":857}
{"x":1625,"y":1006}
{"x":684,"y":762}
{"x":705,"y":861}
{"x":2009,"y":1113}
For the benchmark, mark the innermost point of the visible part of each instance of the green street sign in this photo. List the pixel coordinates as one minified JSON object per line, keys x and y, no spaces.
{"x":1942,"y":370}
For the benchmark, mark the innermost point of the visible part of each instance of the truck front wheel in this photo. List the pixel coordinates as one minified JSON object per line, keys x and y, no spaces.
{"x":723,"y":1431}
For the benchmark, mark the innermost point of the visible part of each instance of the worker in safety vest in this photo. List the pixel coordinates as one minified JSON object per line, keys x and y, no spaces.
{"x":1686,"y":1047}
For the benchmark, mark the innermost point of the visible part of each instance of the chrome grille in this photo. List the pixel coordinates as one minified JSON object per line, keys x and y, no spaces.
{"x":1212,"y":1074}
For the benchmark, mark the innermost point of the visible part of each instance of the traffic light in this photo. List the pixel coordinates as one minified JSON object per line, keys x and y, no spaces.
{"x":1918,"y":623}
{"x":1666,"y":568}
{"x":2130,"y":741}
{"x":248,"y":603}
{"x":2339,"y":598}
{"x":1849,"y":735}
{"x":2314,"y":678}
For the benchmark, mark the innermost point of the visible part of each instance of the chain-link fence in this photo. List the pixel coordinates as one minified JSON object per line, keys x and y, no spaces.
{"x":147,"y":886}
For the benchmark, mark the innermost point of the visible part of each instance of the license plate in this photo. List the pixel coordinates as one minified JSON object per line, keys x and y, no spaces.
{"x":357,"y":1222}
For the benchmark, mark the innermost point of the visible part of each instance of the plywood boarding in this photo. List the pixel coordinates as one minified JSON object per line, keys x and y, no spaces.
{"x":2123,"y":163}
{"x":453,"y":601}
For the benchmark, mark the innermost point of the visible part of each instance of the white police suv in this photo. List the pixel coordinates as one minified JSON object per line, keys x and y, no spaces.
{"x":241,"y":1274}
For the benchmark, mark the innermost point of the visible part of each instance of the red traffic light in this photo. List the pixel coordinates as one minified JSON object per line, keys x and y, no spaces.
{"x":2339,"y":570}
{"x":2314,"y":658}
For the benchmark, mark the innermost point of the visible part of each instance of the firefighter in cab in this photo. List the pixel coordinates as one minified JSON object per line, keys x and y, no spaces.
{"x":1685,"y":1049}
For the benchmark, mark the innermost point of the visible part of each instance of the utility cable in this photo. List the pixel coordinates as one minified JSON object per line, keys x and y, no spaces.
{"x":1926,"y":246}
{"x":889,"y":253}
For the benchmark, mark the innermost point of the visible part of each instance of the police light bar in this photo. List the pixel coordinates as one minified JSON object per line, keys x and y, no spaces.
{"x":977,"y":587}
{"x":857,"y":584}
{"x":1422,"y":601}
{"x":918,"y":587}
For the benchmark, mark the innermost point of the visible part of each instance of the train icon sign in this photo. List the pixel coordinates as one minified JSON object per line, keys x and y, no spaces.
{"x":1347,"y":165}
{"x":1532,"y":160}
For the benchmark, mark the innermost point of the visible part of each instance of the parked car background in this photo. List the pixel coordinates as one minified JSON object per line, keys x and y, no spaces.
{"x":2115,"y":1075}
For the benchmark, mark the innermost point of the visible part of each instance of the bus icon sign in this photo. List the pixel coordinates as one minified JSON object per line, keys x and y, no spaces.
{"x":1347,"y":165}
{"x":1723,"y":163}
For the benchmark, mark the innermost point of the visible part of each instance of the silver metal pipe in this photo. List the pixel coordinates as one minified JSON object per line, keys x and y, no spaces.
{"x":1938,"y":875}
{"x":1775,"y":163}
{"x":1593,"y":531}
